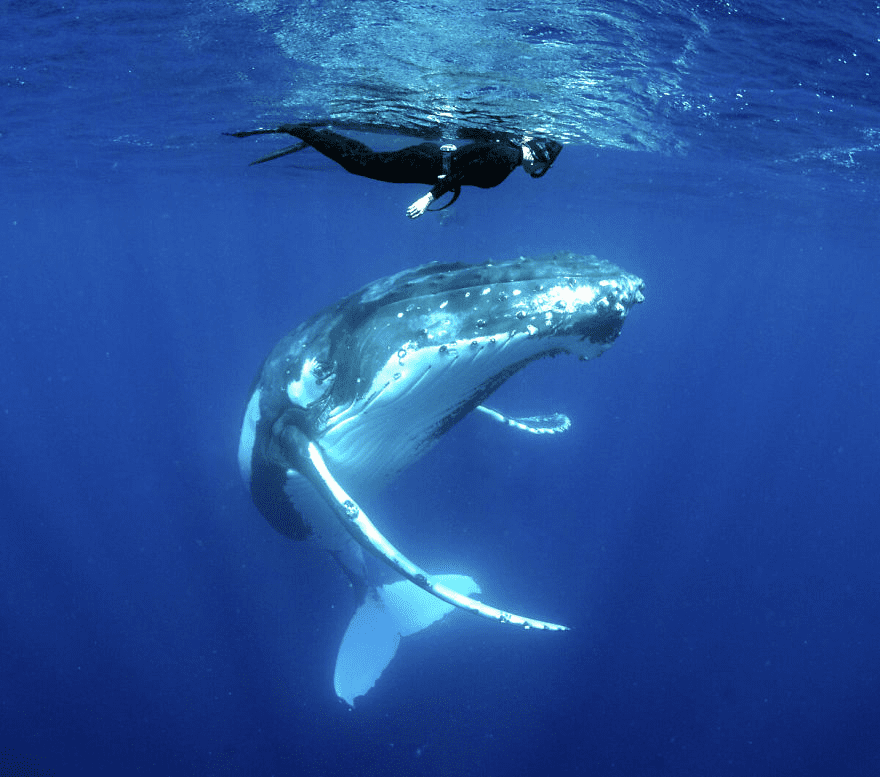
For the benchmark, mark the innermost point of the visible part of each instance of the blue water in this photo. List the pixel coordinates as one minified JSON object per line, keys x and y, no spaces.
{"x":708,"y":527}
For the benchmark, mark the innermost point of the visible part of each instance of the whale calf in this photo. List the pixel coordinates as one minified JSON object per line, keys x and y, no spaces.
{"x":351,"y":397}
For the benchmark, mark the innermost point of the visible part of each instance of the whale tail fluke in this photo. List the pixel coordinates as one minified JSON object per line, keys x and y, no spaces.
{"x":388,"y":613}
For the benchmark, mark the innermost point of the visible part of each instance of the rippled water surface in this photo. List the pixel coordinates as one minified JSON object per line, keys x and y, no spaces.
{"x":780,"y":84}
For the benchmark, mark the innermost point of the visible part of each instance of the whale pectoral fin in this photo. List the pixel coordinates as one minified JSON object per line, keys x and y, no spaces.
{"x":369,"y":537}
{"x":388,"y":613}
{"x":536,"y":424}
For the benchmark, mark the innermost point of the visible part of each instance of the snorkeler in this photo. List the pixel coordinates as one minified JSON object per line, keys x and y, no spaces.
{"x":484,"y":162}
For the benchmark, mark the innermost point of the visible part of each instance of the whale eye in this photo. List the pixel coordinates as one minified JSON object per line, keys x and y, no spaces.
{"x":314,"y":381}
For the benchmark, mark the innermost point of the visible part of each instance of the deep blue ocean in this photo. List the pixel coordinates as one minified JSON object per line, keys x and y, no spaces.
{"x":709,"y":527}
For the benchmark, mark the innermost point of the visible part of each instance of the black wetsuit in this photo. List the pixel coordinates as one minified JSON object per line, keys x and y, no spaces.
{"x":482,"y":163}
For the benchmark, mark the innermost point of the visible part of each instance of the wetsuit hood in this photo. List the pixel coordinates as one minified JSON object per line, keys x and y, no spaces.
{"x":545,"y":153}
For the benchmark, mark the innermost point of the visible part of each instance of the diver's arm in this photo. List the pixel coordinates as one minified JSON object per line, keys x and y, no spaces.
{"x":420,"y":205}
{"x":445,"y":183}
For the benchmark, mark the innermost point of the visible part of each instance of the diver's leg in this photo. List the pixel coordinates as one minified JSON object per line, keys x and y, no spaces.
{"x":415,"y":164}
{"x":353,"y":155}
{"x":422,"y":163}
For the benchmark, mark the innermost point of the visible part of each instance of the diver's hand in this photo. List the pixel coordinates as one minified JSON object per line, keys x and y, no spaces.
{"x":420,"y":206}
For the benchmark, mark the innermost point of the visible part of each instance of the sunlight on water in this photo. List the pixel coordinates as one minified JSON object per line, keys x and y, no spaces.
{"x":576,"y":72}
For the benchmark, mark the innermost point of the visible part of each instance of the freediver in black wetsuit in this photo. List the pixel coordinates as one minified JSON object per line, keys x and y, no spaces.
{"x":484,"y":162}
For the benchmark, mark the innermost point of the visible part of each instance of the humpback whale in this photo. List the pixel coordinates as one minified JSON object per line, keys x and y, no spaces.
{"x":350,"y":398}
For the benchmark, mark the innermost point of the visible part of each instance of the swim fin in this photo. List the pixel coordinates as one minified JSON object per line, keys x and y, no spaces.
{"x":275,"y":154}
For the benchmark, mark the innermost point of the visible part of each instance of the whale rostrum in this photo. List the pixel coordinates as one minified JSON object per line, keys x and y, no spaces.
{"x":350,"y":398}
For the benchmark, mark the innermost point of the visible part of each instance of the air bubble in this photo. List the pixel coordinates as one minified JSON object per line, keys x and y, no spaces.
{"x":520,"y":314}
{"x":481,"y":322}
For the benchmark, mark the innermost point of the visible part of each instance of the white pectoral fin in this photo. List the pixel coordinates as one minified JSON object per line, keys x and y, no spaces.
{"x":369,"y":537}
{"x":373,"y":634}
{"x":553,"y":423}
